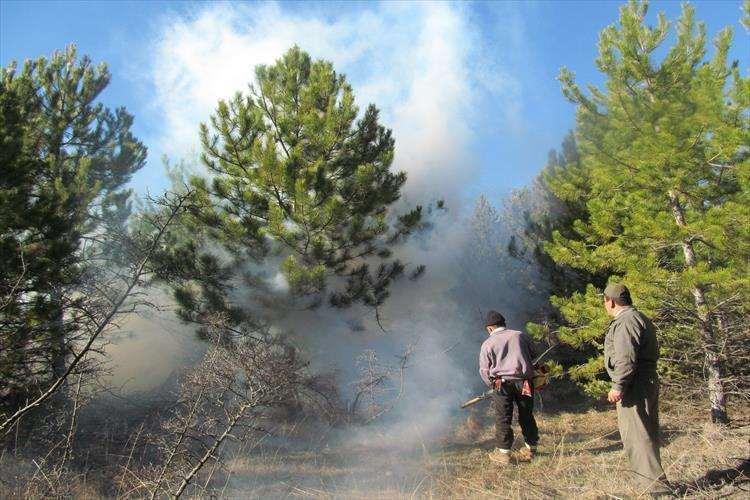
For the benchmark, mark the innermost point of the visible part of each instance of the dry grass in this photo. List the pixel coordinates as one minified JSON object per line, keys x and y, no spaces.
{"x":22,"y":478}
{"x":579,"y":457}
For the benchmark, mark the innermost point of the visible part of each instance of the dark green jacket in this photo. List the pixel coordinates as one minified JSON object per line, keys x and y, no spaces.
{"x":630,"y":349}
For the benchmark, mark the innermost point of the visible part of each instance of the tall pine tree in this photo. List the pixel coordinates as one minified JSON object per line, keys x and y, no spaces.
{"x":301,"y":186}
{"x":64,"y":161}
{"x":663,"y":147}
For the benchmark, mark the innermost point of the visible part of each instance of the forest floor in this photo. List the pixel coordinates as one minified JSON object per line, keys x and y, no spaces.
{"x":580,"y":456}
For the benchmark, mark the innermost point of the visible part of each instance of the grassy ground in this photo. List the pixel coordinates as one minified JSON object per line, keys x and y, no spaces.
{"x":579,"y":457}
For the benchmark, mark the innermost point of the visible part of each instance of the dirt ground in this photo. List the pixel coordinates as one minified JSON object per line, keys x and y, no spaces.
{"x":579,"y":457}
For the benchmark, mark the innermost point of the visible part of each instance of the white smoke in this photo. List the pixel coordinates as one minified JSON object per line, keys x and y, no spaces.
{"x":423,"y":66}
{"x":420,"y":63}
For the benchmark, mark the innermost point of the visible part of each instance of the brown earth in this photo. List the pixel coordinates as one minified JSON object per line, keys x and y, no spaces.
{"x":579,"y":457}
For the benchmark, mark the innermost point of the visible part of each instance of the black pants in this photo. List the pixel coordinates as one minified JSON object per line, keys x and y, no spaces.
{"x":509,"y":393}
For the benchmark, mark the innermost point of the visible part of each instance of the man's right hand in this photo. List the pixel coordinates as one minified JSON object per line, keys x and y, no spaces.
{"x":614,"y":396}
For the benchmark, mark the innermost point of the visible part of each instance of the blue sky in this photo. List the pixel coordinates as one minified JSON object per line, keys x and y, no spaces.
{"x":469,"y":88}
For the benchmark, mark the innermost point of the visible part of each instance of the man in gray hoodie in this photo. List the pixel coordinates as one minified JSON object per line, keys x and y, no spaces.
{"x":505,"y":364}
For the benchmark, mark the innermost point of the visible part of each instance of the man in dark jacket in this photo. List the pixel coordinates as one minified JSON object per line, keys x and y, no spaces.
{"x":505,"y":364}
{"x":630,"y":355}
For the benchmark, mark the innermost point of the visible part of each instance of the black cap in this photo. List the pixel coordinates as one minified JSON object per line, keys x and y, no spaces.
{"x":617,"y":291}
{"x":494,"y":318}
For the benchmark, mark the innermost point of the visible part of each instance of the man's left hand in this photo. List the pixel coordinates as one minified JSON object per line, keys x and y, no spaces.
{"x":614,"y":396}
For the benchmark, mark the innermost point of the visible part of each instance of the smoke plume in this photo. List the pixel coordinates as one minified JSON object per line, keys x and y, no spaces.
{"x":420,"y":64}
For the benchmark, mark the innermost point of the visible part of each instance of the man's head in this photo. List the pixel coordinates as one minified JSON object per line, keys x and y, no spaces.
{"x":616,"y":297}
{"x":494,"y":320}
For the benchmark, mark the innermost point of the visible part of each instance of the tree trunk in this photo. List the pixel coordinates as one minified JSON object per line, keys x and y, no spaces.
{"x":716,"y":393}
{"x":57,"y":345}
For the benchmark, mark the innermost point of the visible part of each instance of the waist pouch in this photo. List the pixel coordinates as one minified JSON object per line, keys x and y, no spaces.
{"x":525,"y":386}
{"x":540,"y":378}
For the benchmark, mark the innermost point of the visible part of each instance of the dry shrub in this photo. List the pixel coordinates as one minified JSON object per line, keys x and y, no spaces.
{"x":469,"y":429}
{"x":222,"y":400}
{"x":23,"y":478}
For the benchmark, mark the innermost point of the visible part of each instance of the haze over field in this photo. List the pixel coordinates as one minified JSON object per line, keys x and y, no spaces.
{"x":248,"y":248}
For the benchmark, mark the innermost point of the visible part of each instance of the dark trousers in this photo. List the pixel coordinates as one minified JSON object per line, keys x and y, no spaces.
{"x":510,"y":393}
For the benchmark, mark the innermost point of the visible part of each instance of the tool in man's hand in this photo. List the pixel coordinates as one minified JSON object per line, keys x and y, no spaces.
{"x":487,"y":394}
{"x":539,"y":381}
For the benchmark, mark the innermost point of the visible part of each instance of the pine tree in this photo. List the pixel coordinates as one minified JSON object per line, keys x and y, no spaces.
{"x":554,"y":201}
{"x":489,"y":275}
{"x":479,"y":261}
{"x":65,"y":159}
{"x":664,"y":149}
{"x":298,"y":185}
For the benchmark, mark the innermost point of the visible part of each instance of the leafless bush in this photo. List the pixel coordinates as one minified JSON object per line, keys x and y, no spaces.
{"x":685,"y":361}
{"x":53,"y":445}
{"x":380,"y":386}
{"x":225,"y":399}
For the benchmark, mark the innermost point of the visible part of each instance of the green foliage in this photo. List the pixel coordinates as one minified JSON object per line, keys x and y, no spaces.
{"x":65,"y":159}
{"x":662,"y":137}
{"x":296,"y":177}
